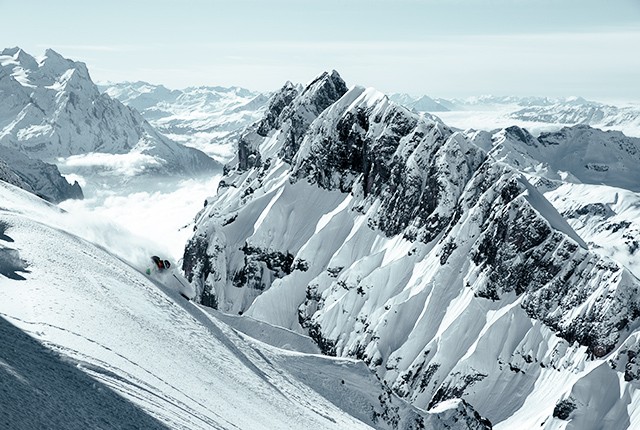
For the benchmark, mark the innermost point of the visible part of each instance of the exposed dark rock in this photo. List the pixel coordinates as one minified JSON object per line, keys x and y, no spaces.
{"x":42,"y":179}
{"x":197,"y":266}
{"x":321,"y":93}
{"x":563,"y":409}
{"x":446,"y":392}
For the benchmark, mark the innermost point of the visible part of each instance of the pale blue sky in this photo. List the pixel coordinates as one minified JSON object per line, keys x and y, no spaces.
{"x":444,"y":48}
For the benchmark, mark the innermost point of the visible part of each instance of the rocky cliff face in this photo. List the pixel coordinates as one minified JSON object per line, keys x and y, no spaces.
{"x":427,"y":253}
{"x":40,"y":178}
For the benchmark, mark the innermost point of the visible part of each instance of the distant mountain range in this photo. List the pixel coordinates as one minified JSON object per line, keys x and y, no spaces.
{"x":544,"y":110}
{"x":208,"y":118}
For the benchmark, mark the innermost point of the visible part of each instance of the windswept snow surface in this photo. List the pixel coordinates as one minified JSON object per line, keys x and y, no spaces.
{"x":117,"y":349}
{"x":156,"y":212}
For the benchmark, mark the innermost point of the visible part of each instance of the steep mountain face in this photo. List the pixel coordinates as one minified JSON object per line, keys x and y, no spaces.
{"x":207,"y":118}
{"x":50,"y":108}
{"x":113,"y":347}
{"x":427,"y":253}
{"x":38,"y":177}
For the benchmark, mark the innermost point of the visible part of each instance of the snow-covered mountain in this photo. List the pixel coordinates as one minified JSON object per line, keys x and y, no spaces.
{"x":89,"y":341}
{"x":578,"y":154}
{"x":50,"y":108}
{"x":590,"y":177}
{"x":208,"y":118}
{"x":389,"y":237}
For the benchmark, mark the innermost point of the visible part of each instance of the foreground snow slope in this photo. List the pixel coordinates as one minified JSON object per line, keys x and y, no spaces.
{"x":389,"y":237}
{"x":143,"y":357}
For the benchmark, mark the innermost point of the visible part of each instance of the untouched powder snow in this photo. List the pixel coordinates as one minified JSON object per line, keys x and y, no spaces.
{"x":102,"y":335}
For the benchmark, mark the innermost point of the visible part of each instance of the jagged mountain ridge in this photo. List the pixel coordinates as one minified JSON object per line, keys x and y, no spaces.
{"x":51,"y":108}
{"x":391,"y":238}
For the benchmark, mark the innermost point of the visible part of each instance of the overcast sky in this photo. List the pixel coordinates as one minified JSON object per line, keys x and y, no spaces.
{"x":445,"y":48}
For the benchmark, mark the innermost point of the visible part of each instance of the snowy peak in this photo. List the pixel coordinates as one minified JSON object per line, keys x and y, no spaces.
{"x":19,"y":58}
{"x":289,"y":113}
{"x":50,"y":69}
{"x":318,"y":95}
{"x":60,"y":112}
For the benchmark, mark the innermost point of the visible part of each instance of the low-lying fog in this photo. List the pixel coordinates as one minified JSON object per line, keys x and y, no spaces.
{"x":133,"y":216}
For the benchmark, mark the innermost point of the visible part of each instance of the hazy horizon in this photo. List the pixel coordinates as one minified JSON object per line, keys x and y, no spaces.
{"x":440,"y":48}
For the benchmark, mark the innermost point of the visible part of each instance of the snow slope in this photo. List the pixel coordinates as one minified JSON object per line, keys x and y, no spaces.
{"x":50,"y":108}
{"x":110,"y":347}
{"x":207,"y":118}
{"x":389,"y":237}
